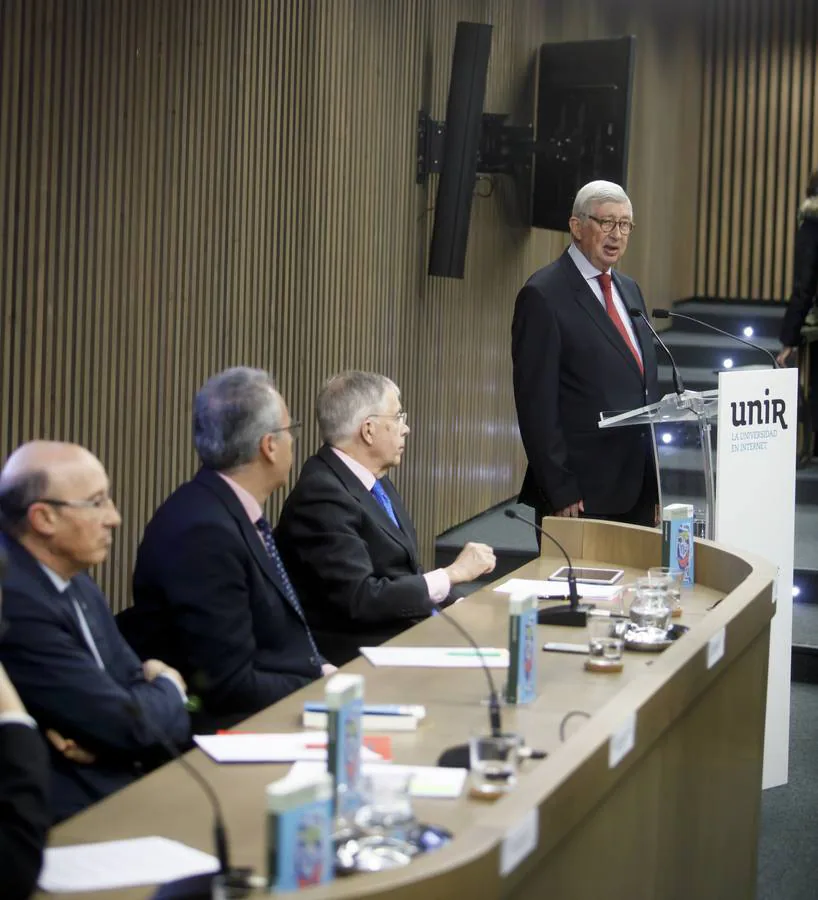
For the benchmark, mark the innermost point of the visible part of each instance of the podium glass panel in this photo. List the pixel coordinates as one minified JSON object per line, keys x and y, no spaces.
{"x":682,"y":426}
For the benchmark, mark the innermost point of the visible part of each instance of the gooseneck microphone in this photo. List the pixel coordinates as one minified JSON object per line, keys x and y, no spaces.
{"x":571,"y":614}
{"x":458,"y":756}
{"x":236,"y":882}
{"x":637,"y":313}
{"x":494,"y":700}
{"x":667,"y":314}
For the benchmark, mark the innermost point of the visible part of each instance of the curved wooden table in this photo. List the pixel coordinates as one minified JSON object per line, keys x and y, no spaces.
{"x":677,"y":817}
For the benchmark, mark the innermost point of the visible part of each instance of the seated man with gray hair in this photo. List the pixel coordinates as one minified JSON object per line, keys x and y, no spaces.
{"x":210,"y":590}
{"x":346,"y":537}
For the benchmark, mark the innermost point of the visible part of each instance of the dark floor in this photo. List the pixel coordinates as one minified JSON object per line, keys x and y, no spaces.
{"x":788,"y":850}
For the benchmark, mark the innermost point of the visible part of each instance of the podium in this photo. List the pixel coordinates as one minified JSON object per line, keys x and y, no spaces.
{"x":755,"y":410}
{"x":696,"y":407}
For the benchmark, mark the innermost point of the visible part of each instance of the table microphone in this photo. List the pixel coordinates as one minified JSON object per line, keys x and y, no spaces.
{"x":236,"y":882}
{"x":572,"y":614}
{"x":667,"y":314}
{"x":458,"y":756}
{"x":677,"y":376}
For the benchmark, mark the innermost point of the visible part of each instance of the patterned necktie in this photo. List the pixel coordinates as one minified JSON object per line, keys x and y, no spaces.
{"x":266,"y":532}
{"x":381,"y":496}
{"x":610,"y":307}
{"x":90,"y":633}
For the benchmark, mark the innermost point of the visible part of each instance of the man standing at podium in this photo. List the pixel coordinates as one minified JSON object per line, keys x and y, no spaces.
{"x":577,"y":352}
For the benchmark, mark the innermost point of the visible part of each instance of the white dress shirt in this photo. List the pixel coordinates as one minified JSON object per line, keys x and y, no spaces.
{"x":62,"y":586}
{"x":591,"y":274}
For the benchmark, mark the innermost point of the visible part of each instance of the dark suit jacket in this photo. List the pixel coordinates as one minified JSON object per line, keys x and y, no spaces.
{"x":62,"y":687}
{"x":804,"y":280}
{"x":357,"y":574}
{"x":208,"y":601}
{"x":24,"y":814}
{"x":571,"y":363}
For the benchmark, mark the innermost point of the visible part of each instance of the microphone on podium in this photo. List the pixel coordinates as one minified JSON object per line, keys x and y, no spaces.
{"x":677,"y":375}
{"x":667,"y":314}
{"x":236,"y":883}
{"x":571,"y":614}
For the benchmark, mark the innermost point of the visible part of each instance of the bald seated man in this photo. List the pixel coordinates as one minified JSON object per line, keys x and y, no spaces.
{"x":99,"y":706}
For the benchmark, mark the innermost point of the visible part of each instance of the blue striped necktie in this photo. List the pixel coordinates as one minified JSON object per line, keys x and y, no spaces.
{"x":383,"y":498}
{"x":266,"y":532}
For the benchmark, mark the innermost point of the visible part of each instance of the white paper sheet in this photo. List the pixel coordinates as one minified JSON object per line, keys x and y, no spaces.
{"x":437,"y":657}
{"x":557,"y":588}
{"x":427,"y":781}
{"x":121,"y":864}
{"x":269,"y":748}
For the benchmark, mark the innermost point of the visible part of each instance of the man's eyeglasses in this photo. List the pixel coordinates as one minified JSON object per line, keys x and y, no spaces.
{"x":399,"y":416}
{"x":606,"y":226}
{"x":94,"y":503}
{"x":294,"y":428}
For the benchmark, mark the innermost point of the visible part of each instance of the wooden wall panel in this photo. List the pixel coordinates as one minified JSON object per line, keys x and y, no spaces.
{"x":193,"y":184}
{"x":760,"y":142}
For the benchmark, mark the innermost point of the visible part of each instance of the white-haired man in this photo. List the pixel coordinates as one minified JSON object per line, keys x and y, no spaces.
{"x":577,"y":351}
{"x":346,"y":537}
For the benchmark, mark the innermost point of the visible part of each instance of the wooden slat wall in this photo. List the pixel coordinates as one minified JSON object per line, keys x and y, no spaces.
{"x":191,"y":184}
{"x":760,"y":142}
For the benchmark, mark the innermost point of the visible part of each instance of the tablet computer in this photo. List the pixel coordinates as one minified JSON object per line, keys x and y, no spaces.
{"x":589,"y":575}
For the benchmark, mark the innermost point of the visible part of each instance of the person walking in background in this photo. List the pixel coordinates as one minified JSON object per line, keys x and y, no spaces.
{"x":804,"y":287}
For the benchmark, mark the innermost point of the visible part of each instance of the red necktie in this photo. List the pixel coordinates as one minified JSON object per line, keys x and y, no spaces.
{"x":605,"y":283}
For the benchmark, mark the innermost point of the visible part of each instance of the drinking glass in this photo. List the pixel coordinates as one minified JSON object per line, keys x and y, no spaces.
{"x":650,"y":607}
{"x":671,"y":580}
{"x":605,"y":643}
{"x":386,"y":803}
{"x":493,"y":761}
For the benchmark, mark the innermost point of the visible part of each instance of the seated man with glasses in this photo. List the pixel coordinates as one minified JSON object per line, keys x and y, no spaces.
{"x":97,"y":704}
{"x":211,"y":594}
{"x":346,"y":537}
{"x":580,"y":347}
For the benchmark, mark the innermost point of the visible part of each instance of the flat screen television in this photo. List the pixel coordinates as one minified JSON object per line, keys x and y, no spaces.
{"x":582,"y":122}
{"x":464,"y":115}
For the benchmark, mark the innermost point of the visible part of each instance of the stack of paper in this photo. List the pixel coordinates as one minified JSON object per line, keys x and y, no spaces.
{"x":114,"y":865}
{"x":269,"y":748}
{"x":438,"y":657}
{"x":376,"y":716}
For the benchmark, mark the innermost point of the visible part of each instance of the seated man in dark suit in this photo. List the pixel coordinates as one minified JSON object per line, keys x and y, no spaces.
{"x":346,"y":537}
{"x":209,"y":587}
{"x":99,"y":706}
{"x":24,"y":814}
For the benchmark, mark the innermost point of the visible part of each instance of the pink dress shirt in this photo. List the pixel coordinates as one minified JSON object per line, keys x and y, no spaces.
{"x":437,"y":582}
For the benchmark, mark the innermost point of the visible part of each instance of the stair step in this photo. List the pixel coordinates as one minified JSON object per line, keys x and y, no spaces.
{"x":764,"y":318}
{"x":710,"y":350}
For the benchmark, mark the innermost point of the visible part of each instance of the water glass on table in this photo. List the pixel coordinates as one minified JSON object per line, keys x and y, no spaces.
{"x":671,"y":581}
{"x":386,"y":803}
{"x":650,"y":608}
{"x":605,"y":643}
{"x":493,"y":760}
